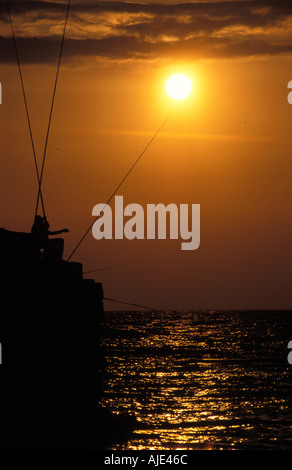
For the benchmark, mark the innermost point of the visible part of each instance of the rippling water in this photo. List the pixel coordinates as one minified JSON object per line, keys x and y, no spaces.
{"x":211,"y":380}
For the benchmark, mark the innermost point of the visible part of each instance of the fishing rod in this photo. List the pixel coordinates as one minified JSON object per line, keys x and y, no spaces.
{"x":39,"y":175}
{"x":26,"y":106}
{"x":52,"y":105}
{"x":122,"y":181}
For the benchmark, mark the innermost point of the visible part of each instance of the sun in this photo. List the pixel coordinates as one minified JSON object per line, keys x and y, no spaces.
{"x":178,"y":86}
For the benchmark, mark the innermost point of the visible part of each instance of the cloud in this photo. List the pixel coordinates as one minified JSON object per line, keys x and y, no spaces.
{"x":149,"y":30}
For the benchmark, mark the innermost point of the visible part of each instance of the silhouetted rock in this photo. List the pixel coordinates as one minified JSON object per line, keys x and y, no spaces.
{"x":52,"y":361}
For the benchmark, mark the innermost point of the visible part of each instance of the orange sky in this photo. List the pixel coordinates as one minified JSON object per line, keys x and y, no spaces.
{"x":227,"y":148}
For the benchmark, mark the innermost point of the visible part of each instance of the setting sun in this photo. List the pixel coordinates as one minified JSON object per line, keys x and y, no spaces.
{"x":179,"y":86}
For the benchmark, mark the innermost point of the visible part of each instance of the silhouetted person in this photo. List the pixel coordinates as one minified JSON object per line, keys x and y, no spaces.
{"x":53,"y":249}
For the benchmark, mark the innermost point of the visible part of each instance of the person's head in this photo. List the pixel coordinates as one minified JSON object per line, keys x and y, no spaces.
{"x":38,"y":219}
{"x":41,"y":221}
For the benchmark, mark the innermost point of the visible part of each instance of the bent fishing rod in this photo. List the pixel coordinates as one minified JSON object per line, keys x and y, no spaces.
{"x":25,"y":105}
{"x":38,"y":174}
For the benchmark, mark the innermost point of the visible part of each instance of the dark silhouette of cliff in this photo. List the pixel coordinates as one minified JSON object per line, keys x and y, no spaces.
{"x":52,"y":364}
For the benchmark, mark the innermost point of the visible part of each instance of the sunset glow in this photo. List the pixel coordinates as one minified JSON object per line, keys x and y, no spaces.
{"x":145,"y":174}
{"x":179,"y":86}
{"x":226,"y":147}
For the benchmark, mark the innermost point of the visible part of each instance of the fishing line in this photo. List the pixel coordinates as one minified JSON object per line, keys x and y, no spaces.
{"x":122,"y":181}
{"x":103,"y":269}
{"x":128,"y":303}
{"x":52,"y":106}
{"x":26,"y":105}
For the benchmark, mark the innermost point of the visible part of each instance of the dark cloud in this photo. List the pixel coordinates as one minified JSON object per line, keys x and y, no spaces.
{"x":122,"y":30}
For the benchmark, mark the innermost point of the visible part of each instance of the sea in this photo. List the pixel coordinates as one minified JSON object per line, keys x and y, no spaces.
{"x":217,"y":380}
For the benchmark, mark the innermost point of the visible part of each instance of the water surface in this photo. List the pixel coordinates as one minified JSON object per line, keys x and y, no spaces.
{"x":210,"y":380}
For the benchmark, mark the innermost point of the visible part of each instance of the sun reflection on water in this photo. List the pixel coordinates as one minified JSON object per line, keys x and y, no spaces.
{"x":197,"y":380}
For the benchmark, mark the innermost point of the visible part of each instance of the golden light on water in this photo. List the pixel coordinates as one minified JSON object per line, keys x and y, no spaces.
{"x":178,"y":86}
{"x":186,"y":389}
